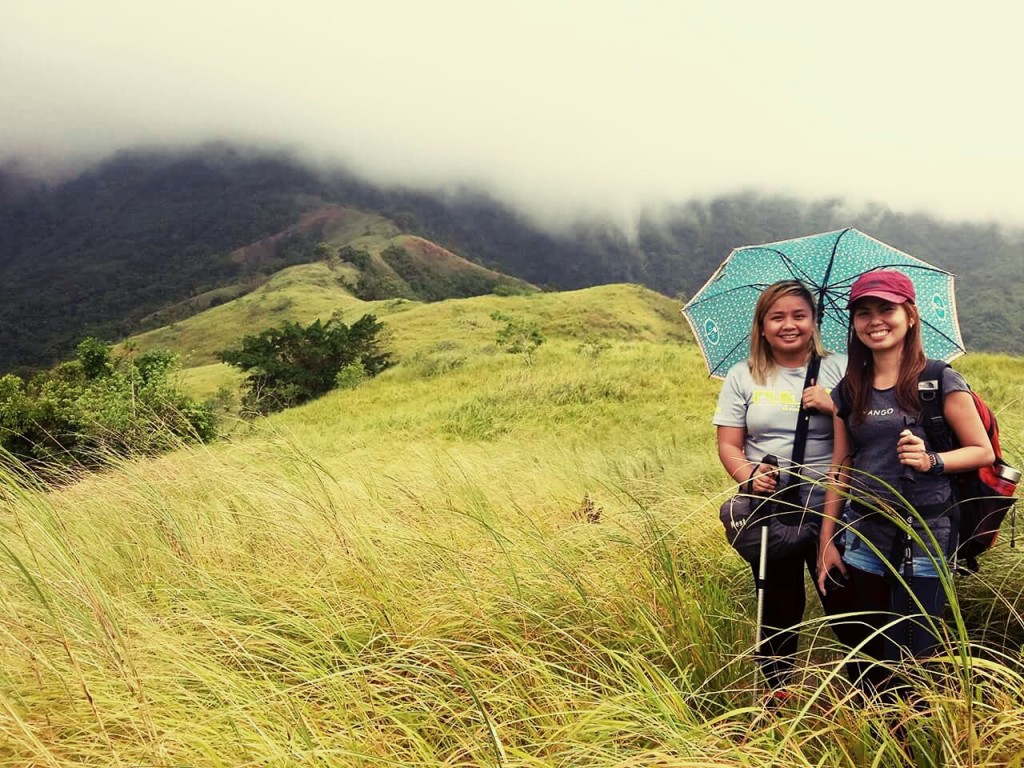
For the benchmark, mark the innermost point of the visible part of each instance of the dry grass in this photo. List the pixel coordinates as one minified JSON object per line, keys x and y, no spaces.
{"x":406,"y":574}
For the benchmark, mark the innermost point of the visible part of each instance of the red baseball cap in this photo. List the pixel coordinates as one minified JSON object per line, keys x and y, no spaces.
{"x":886,"y":284}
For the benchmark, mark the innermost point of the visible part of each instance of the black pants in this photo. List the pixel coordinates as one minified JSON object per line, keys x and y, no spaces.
{"x":784,"y":604}
{"x":880,"y":601}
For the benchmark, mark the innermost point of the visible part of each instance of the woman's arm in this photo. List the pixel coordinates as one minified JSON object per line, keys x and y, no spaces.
{"x":730,"y":452}
{"x":839,"y":478}
{"x":962,"y":417}
{"x":975,"y":448}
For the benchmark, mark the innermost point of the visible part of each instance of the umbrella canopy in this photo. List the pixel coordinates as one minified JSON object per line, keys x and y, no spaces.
{"x":722,"y":311}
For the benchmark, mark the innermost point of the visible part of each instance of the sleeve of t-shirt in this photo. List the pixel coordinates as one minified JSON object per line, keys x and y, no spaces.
{"x":833,"y":368}
{"x":837,"y":396}
{"x":732,"y":402}
{"x":953,"y":381}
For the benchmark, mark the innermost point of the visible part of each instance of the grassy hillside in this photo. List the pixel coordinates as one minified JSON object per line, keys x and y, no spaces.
{"x":465,"y":561}
{"x":441,"y":330}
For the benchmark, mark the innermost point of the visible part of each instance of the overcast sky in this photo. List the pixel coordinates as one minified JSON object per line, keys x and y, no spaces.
{"x":556,"y":104}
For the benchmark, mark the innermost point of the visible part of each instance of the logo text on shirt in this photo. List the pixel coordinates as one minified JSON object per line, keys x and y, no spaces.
{"x":880,"y":412}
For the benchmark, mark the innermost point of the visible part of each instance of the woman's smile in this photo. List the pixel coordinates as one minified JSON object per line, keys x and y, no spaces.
{"x":879,"y":323}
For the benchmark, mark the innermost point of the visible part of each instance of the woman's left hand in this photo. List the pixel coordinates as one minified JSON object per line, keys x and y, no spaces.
{"x":816,"y":398}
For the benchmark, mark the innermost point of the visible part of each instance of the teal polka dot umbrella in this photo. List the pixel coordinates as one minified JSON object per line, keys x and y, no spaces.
{"x":722,"y":311}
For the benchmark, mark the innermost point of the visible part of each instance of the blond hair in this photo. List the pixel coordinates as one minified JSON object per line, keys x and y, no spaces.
{"x":761,"y":361}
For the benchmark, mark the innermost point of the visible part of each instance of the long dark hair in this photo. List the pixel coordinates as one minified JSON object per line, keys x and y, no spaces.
{"x":860,"y":372}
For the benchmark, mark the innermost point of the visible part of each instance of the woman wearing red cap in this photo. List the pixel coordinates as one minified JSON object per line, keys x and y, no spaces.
{"x":878,"y":451}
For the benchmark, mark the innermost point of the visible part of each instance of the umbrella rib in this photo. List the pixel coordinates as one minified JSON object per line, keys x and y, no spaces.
{"x":796,"y":272}
{"x":943,"y":334}
{"x":695,"y":302}
{"x":922,"y":267}
{"x":823,"y":288}
{"x":718,"y":366}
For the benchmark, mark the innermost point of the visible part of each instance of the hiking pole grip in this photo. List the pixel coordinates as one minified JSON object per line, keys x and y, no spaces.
{"x":772,"y":461}
{"x":907,"y":474}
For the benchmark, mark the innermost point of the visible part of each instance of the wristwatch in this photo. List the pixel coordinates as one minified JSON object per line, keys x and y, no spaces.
{"x":935,"y":464}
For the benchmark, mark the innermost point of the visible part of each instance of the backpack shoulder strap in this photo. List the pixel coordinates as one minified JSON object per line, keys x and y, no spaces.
{"x":803,"y":418}
{"x":932,"y":396}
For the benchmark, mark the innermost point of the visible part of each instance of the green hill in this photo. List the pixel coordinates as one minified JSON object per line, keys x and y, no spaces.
{"x":419,"y":330}
{"x":355,"y":244}
{"x":147,"y":239}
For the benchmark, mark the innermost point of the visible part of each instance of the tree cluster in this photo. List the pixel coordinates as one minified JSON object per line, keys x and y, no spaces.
{"x":431,"y":283}
{"x":290,"y":364}
{"x":83,"y":413}
{"x":375,"y":281}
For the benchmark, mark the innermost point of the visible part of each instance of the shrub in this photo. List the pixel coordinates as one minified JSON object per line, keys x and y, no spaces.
{"x":592,"y":347}
{"x":87,"y":411}
{"x":518,"y":337}
{"x":351,"y":376}
{"x":290,"y":365}
{"x":357,"y":256}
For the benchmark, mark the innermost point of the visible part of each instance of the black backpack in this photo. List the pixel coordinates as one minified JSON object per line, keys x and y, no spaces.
{"x":985,"y":495}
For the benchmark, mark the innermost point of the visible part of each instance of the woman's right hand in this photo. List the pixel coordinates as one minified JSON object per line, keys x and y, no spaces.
{"x":828,"y":558}
{"x":764,"y":480}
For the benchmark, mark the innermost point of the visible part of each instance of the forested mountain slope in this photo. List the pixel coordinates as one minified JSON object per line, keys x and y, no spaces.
{"x":148,"y":237}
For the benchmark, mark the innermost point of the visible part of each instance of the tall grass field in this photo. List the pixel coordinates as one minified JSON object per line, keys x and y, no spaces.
{"x":475,"y":559}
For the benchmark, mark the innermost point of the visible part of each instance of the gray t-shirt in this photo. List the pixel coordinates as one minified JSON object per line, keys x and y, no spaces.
{"x":874,"y":443}
{"x":768,"y":414}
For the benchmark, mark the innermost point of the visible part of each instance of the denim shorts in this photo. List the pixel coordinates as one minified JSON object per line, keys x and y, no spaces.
{"x":865,"y":559}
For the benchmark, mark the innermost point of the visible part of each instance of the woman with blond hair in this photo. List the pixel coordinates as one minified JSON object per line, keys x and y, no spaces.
{"x":756,"y":419}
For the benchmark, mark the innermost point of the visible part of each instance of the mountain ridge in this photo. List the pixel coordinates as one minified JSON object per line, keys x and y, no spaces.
{"x":112,"y":250}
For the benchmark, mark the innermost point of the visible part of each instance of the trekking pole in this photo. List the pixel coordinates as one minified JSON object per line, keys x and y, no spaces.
{"x":762,"y":574}
{"x":908,"y":480}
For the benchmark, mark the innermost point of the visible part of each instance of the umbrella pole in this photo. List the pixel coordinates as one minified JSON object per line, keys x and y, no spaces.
{"x":762,"y":572}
